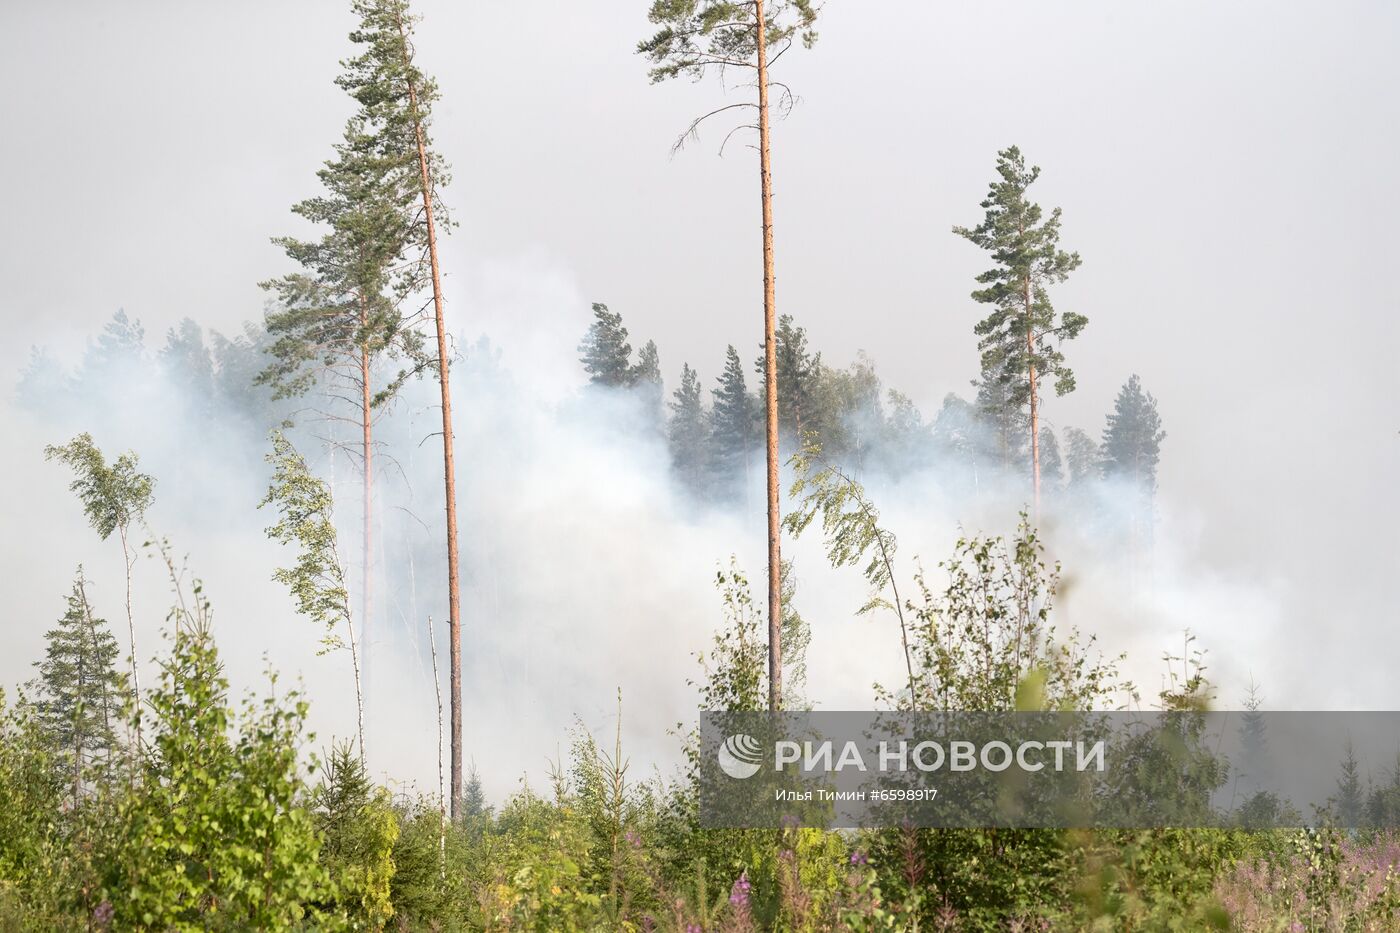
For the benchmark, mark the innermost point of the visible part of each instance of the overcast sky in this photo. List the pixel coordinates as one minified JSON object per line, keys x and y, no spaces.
{"x":1227,"y":171}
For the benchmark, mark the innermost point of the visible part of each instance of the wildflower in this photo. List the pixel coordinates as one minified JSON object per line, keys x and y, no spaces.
{"x":858,"y":858}
{"x":739,"y":894}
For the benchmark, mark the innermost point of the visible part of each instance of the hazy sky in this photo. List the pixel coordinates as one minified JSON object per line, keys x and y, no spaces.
{"x":1227,"y":171}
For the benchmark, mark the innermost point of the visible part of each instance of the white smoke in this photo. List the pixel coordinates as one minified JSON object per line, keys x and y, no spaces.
{"x":586,"y":568}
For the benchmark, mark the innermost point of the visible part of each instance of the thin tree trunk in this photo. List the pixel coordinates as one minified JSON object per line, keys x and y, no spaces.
{"x":1035,"y":404}
{"x":131,"y":632}
{"x":770,"y":380}
{"x":367,"y":453}
{"x":442,"y":800}
{"x":359,"y":689}
{"x":78,"y":744}
{"x":92,"y":637}
{"x":449,"y":470}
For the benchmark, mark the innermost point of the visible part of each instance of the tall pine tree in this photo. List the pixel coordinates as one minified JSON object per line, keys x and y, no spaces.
{"x":396,"y":100}
{"x":1025,"y":248}
{"x":694,"y":38}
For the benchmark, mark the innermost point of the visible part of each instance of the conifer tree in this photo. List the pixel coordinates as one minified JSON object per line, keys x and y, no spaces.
{"x":1024,"y":246}
{"x":186,"y":362}
{"x":43,"y":384}
{"x":605,"y":353}
{"x":646,"y":379}
{"x":337,"y":317}
{"x":115,"y":499}
{"x":474,"y":797}
{"x":957,"y":434}
{"x":78,"y":687}
{"x":1051,"y":466}
{"x":1082,"y":459}
{"x":116,"y":355}
{"x":908,"y":437}
{"x":1132,"y":437}
{"x":1002,"y":417}
{"x":688,"y":431}
{"x":1350,"y":802}
{"x":358,"y":829}
{"x":733,"y":425}
{"x":396,"y":99}
{"x":694,"y":38}
{"x":799,"y":372}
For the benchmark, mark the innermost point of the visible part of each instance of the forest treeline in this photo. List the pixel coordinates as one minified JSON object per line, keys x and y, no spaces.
{"x":713,"y":431}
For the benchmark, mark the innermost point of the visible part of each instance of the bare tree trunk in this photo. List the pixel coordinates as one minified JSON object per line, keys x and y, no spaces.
{"x":367,"y":453}
{"x":442,"y":799}
{"x":359,"y":690}
{"x":92,"y":636}
{"x":1035,"y":404}
{"x":128,"y":560}
{"x":770,"y":380}
{"x":78,"y":746}
{"x":449,"y":470}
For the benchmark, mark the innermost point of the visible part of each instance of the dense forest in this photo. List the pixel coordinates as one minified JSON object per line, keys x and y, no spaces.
{"x":155,"y":796}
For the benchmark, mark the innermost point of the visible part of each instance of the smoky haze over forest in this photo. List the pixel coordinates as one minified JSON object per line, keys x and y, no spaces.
{"x":1224,"y":172}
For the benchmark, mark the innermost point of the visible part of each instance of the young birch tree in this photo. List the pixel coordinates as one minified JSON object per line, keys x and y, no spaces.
{"x":1025,"y":247}
{"x":396,"y":100}
{"x":747,"y":37}
{"x":317,"y":579}
{"x":115,"y":498}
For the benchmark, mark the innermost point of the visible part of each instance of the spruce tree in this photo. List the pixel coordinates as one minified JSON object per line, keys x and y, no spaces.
{"x":1024,"y":246}
{"x":189,"y":367}
{"x":733,"y":426}
{"x":1082,"y":459}
{"x":474,"y":797}
{"x":646,"y":380}
{"x":799,"y":374}
{"x":696,"y":37}
{"x":605,"y":353}
{"x":688,"y":431}
{"x":1132,"y":437}
{"x":117,"y":355}
{"x":78,"y":698}
{"x":1350,"y":802}
{"x":43,"y":385}
{"x":1051,"y":467}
